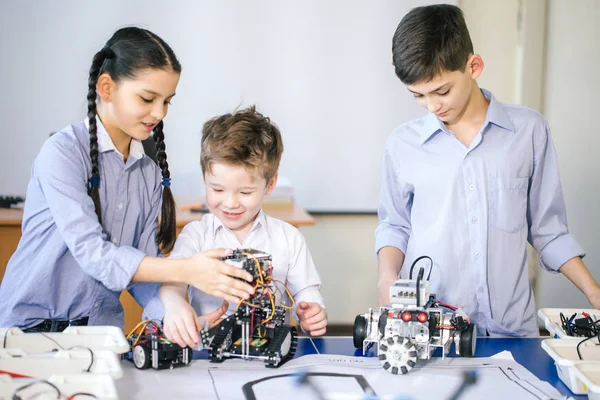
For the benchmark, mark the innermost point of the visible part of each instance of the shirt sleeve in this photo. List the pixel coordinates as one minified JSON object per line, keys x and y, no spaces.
{"x":145,"y":292}
{"x":546,"y":213}
{"x":187,"y":244}
{"x":302,"y":279}
{"x":395,"y":202}
{"x":62,"y":176}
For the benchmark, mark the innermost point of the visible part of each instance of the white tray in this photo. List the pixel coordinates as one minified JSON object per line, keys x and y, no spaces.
{"x":44,"y":365}
{"x":552,"y":323}
{"x":108,"y":338}
{"x":588,"y":372}
{"x":100,"y":385}
{"x":564,"y":354}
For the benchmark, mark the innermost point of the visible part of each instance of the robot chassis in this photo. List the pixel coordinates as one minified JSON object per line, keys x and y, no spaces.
{"x":413,"y":326}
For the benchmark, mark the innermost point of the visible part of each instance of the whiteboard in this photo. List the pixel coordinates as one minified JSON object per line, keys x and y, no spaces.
{"x":322,"y":70}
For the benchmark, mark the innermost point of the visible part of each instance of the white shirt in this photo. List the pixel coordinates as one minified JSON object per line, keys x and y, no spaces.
{"x":291,"y":259}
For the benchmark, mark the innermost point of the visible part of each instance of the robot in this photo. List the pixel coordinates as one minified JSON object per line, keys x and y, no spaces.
{"x":413,"y":326}
{"x":257,"y":329}
{"x":150,"y":348}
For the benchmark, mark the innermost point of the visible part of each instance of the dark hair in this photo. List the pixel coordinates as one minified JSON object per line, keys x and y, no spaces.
{"x":126,"y":53}
{"x":246,"y":138}
{"x":430,"y":40}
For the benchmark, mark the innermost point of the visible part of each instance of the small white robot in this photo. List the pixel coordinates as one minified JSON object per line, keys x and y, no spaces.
{"x":413,"y":326}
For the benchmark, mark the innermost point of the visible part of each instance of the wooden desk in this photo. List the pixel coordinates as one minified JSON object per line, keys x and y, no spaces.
{"x":10,"y":233}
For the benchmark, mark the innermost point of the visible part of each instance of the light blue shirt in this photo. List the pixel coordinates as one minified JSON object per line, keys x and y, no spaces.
{"x":473,"y":209}
{"x":67,"y":265}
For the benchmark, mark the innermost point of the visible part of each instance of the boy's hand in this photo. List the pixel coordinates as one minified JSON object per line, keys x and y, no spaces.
{"x":181,"y":324}
{"x":215,"y":277}
{"x":213,"y":318}
{"x":594,"y":297}
{"x":313,"y":318}
{"x":383,"y":287}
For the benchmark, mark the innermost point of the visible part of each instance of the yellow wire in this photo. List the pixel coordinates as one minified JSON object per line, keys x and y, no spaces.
{"x":142,"y":330}
{"x":136,"y":327}
{"x":288,"y":293}
{"x":272,"y":310}
{"x":272,"y":294}
{"x":260,"y":275}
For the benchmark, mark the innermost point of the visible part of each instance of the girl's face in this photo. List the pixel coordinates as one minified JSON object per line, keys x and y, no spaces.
{"x":133,"y":107}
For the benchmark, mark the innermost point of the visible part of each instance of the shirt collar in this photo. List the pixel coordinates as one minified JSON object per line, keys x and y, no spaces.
{"x":259,"y":221}
{"x":105,"y":143}
{"x":496,"y":114}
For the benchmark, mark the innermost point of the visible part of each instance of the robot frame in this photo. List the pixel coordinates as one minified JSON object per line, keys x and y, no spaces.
{"x":150,"y":348}
{"x":257,"y":329}
{"x":413,"y":325}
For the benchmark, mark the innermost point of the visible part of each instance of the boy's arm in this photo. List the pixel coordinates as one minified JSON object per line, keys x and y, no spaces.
{"x":389,"y":262}
{"x":393,"y":231}
{"x":303,"y":282}
{"x":547,"y":218}
{"x":576,"y":271}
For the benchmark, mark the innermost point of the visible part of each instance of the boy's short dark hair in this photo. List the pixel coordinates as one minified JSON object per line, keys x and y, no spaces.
{"x":430,"y":40}
{"x":245,"y":138}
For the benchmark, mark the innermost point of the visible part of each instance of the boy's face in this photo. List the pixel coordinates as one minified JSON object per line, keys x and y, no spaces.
{"x":448,"y":94}
{"x":235,"y":196}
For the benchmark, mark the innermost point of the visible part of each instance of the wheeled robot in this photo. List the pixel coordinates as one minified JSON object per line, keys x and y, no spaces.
{"x":150,"y":348}
{"x":257,"y":329}
{"x":413,"y":326}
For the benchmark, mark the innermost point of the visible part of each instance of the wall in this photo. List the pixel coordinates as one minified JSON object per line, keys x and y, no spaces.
{"x":572,"y":84}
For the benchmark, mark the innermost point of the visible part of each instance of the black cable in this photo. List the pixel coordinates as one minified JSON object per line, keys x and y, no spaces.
{"x":82,"y":394}
{"x":5,"y":337}
{"x":91,"y":355}
{"x":415,"y":263}
{"x":49,"y":338}
{"x":581,"y":342}
{"x":469,"y":378}
{"x":15,"y":396}
{"x":419,"y":277}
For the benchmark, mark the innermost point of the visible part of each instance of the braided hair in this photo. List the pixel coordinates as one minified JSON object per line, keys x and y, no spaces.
{"x":127,"y":52}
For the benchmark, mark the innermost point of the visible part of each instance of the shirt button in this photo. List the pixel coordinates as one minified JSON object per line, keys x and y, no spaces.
{"x":474,"y":220}
{"x":120,"y":206}
{"x":477,"y":254}
{"x":123,"y":173}
{"x":472,"y":187}
{"x":115,"y":240}
{"x":96,"y":304}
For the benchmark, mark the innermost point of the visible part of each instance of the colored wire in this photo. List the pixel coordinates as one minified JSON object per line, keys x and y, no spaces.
{"x":36,"y":382}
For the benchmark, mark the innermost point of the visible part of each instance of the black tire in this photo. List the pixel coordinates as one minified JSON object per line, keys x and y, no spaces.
{"x":282,"y":347}
{"x":468,"y":341}
{"x":141,"y":356}
{"x":360,"y":331}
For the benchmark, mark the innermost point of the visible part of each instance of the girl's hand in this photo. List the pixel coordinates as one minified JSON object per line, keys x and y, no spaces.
{"x":215,"y":277}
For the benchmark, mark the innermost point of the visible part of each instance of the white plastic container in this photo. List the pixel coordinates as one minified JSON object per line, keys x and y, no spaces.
{"x":101,"y":386}
{"x":108,"y":338}
{"x":564,"y":354}
{"x":552,"y":323}
{"x":588,"y":372}
{"x":44,"y":365}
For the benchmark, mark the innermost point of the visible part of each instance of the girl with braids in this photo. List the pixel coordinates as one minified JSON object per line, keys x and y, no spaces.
{"x":90,"y":224}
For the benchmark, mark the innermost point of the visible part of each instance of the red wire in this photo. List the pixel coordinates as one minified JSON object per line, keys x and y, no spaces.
{"x":448,"y":305}
{"x":14,"y":374}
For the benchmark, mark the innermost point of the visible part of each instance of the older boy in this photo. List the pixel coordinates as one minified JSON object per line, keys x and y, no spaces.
{"x":469,"y":184}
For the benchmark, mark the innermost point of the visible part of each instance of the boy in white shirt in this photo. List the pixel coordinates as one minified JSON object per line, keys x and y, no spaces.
{"x":240,"y":158}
